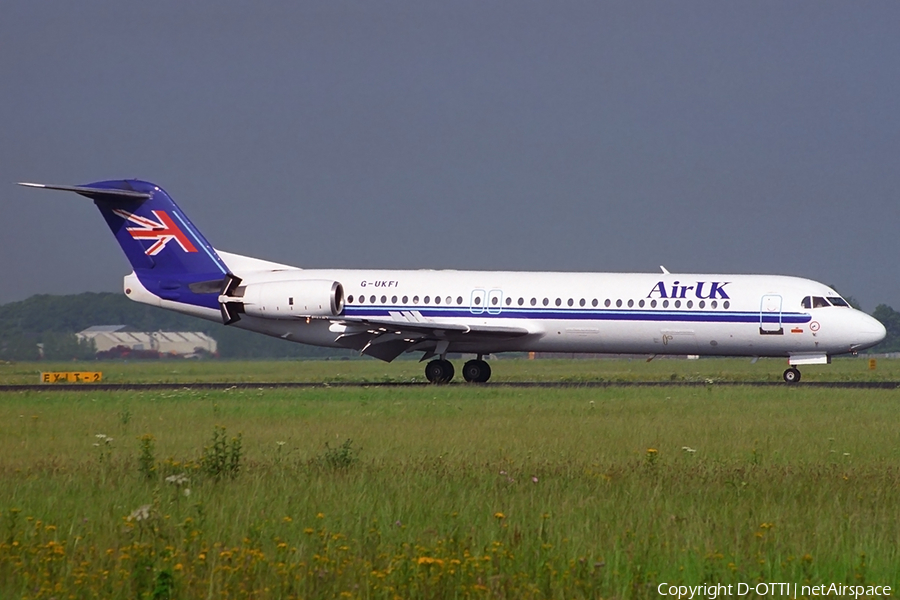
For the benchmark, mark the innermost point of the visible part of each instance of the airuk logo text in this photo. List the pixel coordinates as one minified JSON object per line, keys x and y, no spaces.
{"x":705,"y":290}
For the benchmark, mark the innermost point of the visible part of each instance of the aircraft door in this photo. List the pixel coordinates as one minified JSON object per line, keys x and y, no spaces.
{"x":476,"y":305}
{"x":770,"y":315}
{"x":495,"y":302}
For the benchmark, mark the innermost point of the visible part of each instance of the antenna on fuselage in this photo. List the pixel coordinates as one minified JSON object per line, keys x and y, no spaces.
{"x":664,"y":270}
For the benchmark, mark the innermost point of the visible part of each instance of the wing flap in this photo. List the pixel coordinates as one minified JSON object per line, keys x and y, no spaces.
{"x":386,"y":339}
{"x":439,"y":329}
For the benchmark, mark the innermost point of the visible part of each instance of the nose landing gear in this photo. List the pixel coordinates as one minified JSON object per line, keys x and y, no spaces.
{"x":791,"y":375}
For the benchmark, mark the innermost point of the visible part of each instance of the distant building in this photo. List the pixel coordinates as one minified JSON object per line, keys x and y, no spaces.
{"x":117,"y":341}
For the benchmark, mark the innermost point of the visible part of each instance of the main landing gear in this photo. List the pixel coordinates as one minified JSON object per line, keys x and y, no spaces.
{"x":441,"y":371}
{"x":476,"y":371}
{"x":791,"y":375}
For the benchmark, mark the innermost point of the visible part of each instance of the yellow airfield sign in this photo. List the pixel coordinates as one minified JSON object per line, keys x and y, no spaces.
{"x":71,"y":377}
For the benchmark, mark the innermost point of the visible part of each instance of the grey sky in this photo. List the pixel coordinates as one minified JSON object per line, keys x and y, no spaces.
{"x":705,"y":136}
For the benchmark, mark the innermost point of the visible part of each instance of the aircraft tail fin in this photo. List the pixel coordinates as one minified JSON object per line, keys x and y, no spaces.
{"x":170,"y":256}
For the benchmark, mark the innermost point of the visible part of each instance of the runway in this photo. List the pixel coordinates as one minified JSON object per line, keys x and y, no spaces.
{"x":136,"y":387}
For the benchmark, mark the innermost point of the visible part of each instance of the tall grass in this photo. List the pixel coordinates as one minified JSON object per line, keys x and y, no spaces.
{"x":514,"y":369}
{"x":446,"y":492}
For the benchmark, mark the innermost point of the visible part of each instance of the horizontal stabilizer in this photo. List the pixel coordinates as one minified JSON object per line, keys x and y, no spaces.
{"x":92,"y":192}
{"x":170,"y":257}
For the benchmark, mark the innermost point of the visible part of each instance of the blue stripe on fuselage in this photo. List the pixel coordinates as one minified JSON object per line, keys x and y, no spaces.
{"x":583,"y":315}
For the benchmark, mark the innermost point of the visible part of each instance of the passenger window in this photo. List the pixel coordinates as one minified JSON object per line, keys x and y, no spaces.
{"x":477,"y":301}
{"x":665,"y":304}
{"x":630,"y":303}
{"x":371,"y":299}
{"x":581,"y":302}
{"x":546,"y":301}
{"x":653,"y":303}
{"x":558,"y":302}
{"x":641,"y":303}
{"x":594,"y":303}
{"x":426,"y":299}
{"x":350,"y":299}
{"x":521,"y":301}
{"x":571,"y":302}
{"x":690,"y":304}
{"x":405,"y":299}
{"x":508,"y":300}
{"x":607,"y":303}
{"x":415,"y":299}
{"x":702,"y":304}
{"x":678,"y":304}
{"x":437,"y":299}
{"x":384,"y":299}
{"x":713,"y":304}
{"x":450,"y":300}
{"x":393,"y":299}
{"x":495,"y":300}
{"x":618,"y":304}
{"x":459,"y":300}
{"x":726,"y":304}
{"x":534,"y":301}
{"x":362,"y":299}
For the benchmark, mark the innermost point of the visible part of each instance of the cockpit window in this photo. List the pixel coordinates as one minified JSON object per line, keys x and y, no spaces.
{"x":819,"y":302}
{"x":837,"y":301}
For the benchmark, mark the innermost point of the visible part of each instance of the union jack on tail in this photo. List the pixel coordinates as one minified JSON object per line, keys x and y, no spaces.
{"x":162,"y":231}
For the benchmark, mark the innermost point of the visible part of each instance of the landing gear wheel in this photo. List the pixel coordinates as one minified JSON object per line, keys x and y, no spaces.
{"x":439,"y":371}
{"x":791,"y":375}
{"x":476,"y":371}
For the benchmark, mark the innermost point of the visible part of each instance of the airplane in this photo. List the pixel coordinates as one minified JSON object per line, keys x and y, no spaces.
{"x":386,"y":313}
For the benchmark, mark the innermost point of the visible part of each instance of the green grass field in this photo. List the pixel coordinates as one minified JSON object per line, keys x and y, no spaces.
{"x":446,"y":491}
{"x":370,"y":370}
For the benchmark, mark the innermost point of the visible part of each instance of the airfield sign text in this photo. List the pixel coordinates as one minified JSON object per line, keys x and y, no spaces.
{"x":71,"y":377}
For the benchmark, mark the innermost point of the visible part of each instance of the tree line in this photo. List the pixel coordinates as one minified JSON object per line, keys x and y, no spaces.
{"x":47,"y":324}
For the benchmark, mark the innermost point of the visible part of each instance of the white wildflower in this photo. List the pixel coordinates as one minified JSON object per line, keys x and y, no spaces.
{"x":141,"y":513}
{"x":177,"y":480}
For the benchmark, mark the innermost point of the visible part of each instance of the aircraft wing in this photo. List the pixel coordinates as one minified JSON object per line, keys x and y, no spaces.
{"x":408,"y":331}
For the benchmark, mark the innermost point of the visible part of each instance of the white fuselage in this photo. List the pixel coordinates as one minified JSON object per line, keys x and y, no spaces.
{"x":733,"y":315}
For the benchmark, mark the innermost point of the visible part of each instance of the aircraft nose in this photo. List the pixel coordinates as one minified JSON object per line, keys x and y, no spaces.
{"x":870,"y":332}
